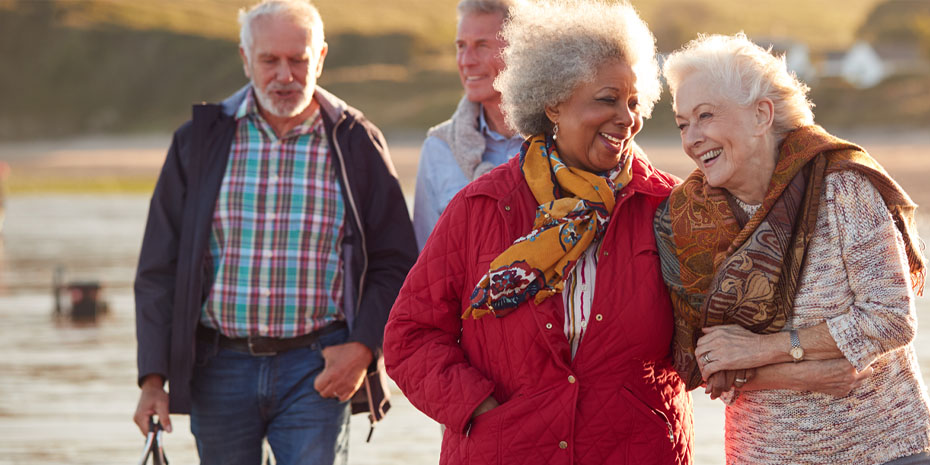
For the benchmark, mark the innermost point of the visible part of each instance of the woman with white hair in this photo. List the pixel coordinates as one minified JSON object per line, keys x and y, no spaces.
{"x":792,"y":259}
{"x":535,"y":325}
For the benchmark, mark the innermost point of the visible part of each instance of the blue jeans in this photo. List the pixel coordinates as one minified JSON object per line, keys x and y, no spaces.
{"x":240,"y":399}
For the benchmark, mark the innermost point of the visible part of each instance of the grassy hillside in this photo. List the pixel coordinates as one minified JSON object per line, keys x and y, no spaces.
{"x":94,"y":66}
{"x":822,"y":23}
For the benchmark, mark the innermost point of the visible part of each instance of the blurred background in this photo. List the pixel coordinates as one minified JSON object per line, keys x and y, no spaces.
{"x":90,"y":91}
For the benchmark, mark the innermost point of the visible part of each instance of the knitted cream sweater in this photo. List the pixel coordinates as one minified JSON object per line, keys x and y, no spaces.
{"x":856,"y":279}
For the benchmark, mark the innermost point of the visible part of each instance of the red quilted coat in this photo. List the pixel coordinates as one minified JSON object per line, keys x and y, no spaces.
{"x":618,"y":402}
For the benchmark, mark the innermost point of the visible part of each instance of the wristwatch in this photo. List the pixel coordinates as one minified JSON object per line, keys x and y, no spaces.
{"x":796,"y":352}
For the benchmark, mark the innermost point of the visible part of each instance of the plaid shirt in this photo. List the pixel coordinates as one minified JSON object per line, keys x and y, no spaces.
{"x":276,"y":242}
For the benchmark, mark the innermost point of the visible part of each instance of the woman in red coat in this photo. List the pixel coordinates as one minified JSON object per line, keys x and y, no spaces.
{"x":535,"y":325}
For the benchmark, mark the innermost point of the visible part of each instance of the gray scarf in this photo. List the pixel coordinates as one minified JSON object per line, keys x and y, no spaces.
{"x":467,"y":142}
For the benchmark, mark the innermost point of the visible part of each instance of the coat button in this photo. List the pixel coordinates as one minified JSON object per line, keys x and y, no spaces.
{"x":571,"y":379}
{"x":507,"y":207}
{"x":563,"y":445}
{"x":548,"y":325}
{"x":605,"y":253}
{"x":598,"y":317}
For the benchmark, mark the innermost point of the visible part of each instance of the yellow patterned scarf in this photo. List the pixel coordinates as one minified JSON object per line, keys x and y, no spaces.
{"x":573,"y":212}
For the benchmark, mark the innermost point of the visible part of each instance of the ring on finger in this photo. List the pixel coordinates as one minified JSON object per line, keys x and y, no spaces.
{"x":740,"y":381}
{"x":706,"y":358}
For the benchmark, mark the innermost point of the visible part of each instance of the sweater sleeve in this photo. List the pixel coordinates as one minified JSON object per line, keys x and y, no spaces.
{"x":882,"y":316}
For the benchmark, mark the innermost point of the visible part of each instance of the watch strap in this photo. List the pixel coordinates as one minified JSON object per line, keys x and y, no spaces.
{"x":796,"y":352}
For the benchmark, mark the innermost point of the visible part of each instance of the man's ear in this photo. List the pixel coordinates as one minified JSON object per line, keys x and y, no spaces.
{"x":319,"y":64}
{"x":765,"y":115}
{"x":245,"y":63}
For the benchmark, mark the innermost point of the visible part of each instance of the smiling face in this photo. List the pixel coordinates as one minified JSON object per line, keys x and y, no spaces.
{"x":478,"y":56}
{"x":598,"y":122}
{"x":731,"y":144}
{"x":283,"y":66}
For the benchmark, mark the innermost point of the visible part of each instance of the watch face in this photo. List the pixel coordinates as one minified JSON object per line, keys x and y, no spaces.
{"x":797,"y":353}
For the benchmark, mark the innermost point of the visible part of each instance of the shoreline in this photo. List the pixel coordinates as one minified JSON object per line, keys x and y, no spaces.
{"x":130,"y":164}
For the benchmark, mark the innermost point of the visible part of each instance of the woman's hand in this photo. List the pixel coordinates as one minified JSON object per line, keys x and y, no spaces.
{"x":723,"y":381}
{"x":836,"y":377}
{"x":729,"y":347}
{"x":485,"y":406}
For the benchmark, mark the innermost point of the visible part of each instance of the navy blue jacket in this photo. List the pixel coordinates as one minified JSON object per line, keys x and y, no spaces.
{"x":174,"y":279}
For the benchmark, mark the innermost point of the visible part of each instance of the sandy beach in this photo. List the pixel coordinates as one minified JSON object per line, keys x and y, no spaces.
{"x":67,"y":392}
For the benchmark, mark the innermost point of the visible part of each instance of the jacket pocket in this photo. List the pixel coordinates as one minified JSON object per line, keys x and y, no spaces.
{"x":658,"y":433}
{"x":482,"y":438}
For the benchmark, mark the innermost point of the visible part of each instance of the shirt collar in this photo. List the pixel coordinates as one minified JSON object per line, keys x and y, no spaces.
{"x":485,"y":129}
{"x":249,"y":108}
{"x":248,"y":105}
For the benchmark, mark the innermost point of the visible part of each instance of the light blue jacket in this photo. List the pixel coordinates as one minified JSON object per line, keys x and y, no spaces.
{"x":455,"y":153}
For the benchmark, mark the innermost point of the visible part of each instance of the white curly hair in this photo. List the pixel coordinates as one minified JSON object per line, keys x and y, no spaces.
{"x":743,"y":72}
{"x":555,"y":45}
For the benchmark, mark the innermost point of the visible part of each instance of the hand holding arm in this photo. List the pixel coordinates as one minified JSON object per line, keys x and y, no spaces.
{"x":732,"y":347}
{"x":835,"y":377}
{"x":722,"y":381}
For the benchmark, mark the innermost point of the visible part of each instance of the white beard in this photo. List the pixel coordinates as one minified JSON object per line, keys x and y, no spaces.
{"x":283,"y":108}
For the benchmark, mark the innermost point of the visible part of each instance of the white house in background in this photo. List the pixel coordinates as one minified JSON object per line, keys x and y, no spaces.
{"x":862,"y":66}
{"x":797,"y":55}
{"x":866,"y":65}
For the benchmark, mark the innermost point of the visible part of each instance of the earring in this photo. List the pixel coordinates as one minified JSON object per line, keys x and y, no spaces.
{"x":555,"y":131}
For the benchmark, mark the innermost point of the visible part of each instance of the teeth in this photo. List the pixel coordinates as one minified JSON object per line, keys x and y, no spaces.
{"x":711,"y":154}
{"x":612,"y":139}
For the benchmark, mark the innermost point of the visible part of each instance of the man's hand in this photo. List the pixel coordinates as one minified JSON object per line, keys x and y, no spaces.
{"x":152,"y":401}
{"x":344,"y":372}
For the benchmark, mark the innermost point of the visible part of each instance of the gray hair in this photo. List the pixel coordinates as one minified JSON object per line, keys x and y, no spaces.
{"x":555,"y":45}
{"x":301,"y":11}
{"x":743,"y":72}
{"x":485,"y":7}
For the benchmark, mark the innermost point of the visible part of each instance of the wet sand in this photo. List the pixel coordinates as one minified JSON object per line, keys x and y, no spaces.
{"x":67,"y":392}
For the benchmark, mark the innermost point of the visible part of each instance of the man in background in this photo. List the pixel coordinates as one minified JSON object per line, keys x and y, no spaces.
{"x":476,"y":138}
{"x":276,"y":242}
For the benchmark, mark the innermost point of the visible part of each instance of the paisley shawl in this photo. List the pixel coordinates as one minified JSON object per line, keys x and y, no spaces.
{"x":722,"y":267}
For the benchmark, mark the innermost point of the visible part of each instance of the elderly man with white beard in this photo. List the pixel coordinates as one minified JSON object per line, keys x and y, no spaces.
{"x":276,"y":243}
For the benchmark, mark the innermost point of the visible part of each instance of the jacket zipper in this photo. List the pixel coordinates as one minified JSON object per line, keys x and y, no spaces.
{"x":358,"y":219}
